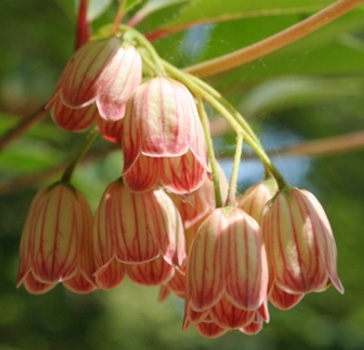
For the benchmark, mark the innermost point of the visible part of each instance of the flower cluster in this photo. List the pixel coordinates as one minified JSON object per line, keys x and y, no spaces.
{"x":171,"y":220}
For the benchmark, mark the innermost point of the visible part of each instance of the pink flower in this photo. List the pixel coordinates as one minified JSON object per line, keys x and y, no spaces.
{"x":56,"y":241}
{"x":226,"y":274}
{"x":97,"y":81}
{"x":256,"y":197}
{"x":130,"y":229}
{"x":300,"y":246}
{"x":162,"y":139}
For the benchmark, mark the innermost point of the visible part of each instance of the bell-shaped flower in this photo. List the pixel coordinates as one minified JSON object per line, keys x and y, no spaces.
{"x":96,"y":82}
{"x":226,"y":274}
{"x":162,"y":139}
{"x":136,"y":228}
{"x":300,"y":247}
{"x":56,"y":241}
{"x":256,"y":197}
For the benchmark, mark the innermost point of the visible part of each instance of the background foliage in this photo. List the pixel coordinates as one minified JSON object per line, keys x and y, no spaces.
{"x":308,"y":90}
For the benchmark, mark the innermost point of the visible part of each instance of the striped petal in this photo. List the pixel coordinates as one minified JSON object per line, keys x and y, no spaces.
{"x":160,"y":117}
{"x":72,"y":119}
{"x":143,"y":175}
{"x":152,"y":273}
{"x":33,"y":286}
{"x":117,"y":83}
{"x":104,"y":234}
{"x":183,"y":174}
{"x":299,"y":242}
{"x":252,"y":329}
{"x":325,"y":240}
{"x":137,"y":228}
{"x":204,"y":270}
{"x":256,"y":197}
{"x":168,"y":232}
{"x":80,"y":284}
{"x":162,"y":123}
{"x":110,"y":130}
{"x":122,"y":227}
{"x":110,"y":275}
{"x":245,"y":282}
{"x":176,"y":285}
{"x":55,"y":223}
{"x":283,"y":300}
{"x":210,"y":329}
{"x":80,"y":81}
{"x":226,"y":315}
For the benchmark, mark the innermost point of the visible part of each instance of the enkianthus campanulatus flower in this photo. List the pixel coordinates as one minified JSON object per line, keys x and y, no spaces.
{"x":56,"y":242}
{"x":300,"y":246}
{"x":172,"y":220}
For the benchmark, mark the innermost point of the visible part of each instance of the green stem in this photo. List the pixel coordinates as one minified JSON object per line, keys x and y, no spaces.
{"x":210,"y":151}
{"x":66,"y":177}
{"x":235,"y":171}
{"x":237,"y":116}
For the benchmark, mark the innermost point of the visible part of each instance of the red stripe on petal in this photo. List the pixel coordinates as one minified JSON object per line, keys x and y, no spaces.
{"x":32,"y":285}
{"x":210,"y":330}
{"x":152,"y":273}
{"x":110,"y":275}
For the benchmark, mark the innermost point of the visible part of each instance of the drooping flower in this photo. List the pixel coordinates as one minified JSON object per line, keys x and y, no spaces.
{"x":194,"y":208}
{"x":143,"y":229}
{"x":162,"y":139}
{"x":96,"y":82}
{"x":300,"y":247}
{"x":226,"y":274}
{"x":256,"y":197}
{"x":56,"y":241}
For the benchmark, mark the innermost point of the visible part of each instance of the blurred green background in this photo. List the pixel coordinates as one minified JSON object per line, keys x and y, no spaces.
{"x":310,"y":90}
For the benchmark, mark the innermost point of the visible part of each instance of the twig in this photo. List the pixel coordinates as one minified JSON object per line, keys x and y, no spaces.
{"x":325,"y":146}
{"x":274,"y":42}
{"x":23,"y":125}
